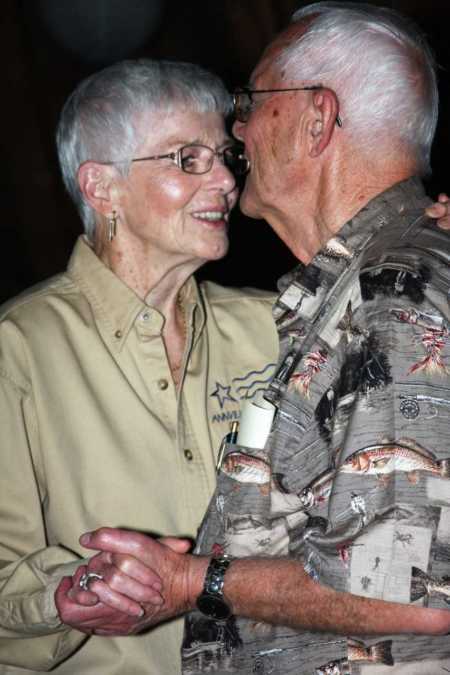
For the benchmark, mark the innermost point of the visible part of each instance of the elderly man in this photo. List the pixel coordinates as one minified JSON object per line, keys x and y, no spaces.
{"x":330,"y":544}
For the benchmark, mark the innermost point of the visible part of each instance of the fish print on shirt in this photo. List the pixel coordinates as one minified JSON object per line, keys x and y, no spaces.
{"x":354,"y":481}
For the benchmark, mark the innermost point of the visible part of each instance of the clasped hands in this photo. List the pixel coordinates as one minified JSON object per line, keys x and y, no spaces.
{"x":144,"y":581}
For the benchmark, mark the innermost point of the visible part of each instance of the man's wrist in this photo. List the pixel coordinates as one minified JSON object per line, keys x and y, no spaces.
{"x":196,"y":578}
{"x":211,"y":602}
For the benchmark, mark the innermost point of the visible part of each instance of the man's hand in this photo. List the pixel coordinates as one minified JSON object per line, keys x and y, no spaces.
{"x":123,"y":602}
{"x":124,"y":584}
{"x":441,"y":211}
{"x":131,"y":565}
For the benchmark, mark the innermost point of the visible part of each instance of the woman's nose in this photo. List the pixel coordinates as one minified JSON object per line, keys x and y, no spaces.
{"x":221,"y":175}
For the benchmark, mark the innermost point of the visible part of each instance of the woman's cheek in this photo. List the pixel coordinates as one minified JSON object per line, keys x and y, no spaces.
{"x":174,"y":193}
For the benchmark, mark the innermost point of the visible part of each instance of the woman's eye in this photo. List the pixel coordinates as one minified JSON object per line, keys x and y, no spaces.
{"x":189,"y":160}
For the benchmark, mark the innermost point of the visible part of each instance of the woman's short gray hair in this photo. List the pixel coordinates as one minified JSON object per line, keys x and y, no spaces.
{"x":100,"y":119}
{"x":381,"y":68}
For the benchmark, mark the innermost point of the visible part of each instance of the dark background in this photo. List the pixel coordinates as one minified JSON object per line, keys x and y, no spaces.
{"x":47,"y":46}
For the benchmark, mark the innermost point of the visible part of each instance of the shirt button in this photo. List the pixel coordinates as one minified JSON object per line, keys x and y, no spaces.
{"x":188,"y":454}
{"x":163,"y":384}
{"x":145,"y":316}
{"x":118,"y":334}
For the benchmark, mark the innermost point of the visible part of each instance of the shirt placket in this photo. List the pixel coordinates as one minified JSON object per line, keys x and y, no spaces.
{"x":192,"y":426}
{"x":155,"y":370}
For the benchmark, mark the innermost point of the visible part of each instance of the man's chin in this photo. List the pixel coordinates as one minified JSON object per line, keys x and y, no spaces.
{"x":247,"y":204}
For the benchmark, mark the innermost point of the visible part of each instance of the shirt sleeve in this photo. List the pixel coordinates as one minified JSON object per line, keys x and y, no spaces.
{"x":31,"y":633}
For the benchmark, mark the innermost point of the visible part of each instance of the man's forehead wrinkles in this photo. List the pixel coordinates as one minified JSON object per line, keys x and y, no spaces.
{"x":281,"y":42}
{"x":265,"y":76}
{"x":284,"y":40}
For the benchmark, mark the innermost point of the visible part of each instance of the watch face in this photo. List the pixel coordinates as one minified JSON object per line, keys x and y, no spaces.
{"x":213,"y":607}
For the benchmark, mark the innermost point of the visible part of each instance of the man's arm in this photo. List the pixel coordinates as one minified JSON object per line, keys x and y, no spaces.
{"x":276,"y":591}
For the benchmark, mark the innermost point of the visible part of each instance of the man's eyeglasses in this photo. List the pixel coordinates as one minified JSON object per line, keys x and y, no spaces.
{"x":198,"y":159}
{"x":243,"y":100}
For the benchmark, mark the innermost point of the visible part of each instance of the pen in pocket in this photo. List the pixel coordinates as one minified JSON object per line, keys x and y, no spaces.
{"x":231,"y":437}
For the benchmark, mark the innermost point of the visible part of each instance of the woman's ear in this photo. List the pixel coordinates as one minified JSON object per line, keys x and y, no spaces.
{"x":95,"y":182}
{"x":326,"y":110}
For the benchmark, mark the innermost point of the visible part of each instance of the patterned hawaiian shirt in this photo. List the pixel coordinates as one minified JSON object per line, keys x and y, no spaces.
{"x":354,"y":480}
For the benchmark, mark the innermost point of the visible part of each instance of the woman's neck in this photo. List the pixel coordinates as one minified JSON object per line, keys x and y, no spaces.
{"x":157,"y":281}
{"x":153,"y":276}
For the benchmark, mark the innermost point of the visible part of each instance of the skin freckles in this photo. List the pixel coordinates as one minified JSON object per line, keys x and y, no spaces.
{"x":274,"y":148}
{"x":289,"y":163}
{"x":160,"y":207}
{"x":271,"y":147}
{"x":291,"y":182}
{"x":169,"y":222}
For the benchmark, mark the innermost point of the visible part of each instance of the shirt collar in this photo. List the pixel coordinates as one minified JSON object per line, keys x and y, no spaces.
{"x":375,"y":215}
{"x":353,"y":236}
{"x":115,"y":305}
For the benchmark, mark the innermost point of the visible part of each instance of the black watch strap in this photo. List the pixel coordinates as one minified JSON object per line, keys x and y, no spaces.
{"x":211,"y":601}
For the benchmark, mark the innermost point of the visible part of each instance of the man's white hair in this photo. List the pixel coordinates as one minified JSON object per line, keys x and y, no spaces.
{"x":381,"y":68}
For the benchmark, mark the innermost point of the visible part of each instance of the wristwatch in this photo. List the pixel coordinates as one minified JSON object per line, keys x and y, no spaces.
{"x":211,"y":602}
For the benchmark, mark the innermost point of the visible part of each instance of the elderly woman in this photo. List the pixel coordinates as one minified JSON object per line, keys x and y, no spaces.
{"x":119,"y":378}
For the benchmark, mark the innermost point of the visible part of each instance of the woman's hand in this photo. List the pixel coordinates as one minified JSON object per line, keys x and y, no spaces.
{"x":84,"y":611}
{"x":165,"y":557}
{"x":440,"y":210}
{"x":122,"y":600}
{"x":125,"y":582}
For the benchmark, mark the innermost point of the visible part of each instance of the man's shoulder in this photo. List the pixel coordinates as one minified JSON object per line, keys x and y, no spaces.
{"x":428,"y":239}
{"x":414,"y":244}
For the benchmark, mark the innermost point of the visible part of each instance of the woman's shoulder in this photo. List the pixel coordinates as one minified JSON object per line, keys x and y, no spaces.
{"x":34,"y":300}
{"x":217,"y":294}
{"x":244,"y":312}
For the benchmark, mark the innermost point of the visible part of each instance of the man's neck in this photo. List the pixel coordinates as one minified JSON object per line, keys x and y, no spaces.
{"x":337,"y":199}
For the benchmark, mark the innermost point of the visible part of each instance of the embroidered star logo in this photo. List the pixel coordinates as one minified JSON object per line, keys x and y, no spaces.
{"x":222,"y":393}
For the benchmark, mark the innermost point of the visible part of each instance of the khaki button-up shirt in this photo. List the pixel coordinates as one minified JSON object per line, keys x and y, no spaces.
{"x":93,"y":433}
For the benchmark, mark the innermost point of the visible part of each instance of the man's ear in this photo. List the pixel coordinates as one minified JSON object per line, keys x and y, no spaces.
{"x":95,"y":182}
{"x":326,"y":111}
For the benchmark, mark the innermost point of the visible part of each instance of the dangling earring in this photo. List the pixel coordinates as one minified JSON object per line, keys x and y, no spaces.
{"x":112,"y":226}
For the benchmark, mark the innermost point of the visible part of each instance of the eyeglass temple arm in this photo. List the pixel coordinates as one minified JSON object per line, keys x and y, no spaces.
{"x":170,"y":155}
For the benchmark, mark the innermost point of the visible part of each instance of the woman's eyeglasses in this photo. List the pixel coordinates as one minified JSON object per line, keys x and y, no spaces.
{"x":199,"y":159}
